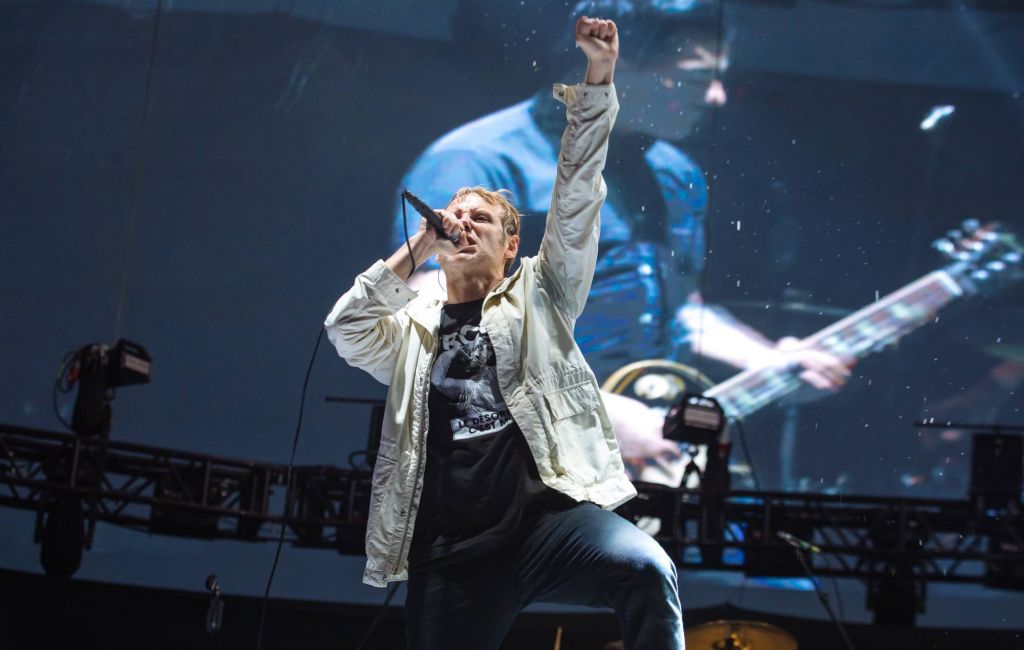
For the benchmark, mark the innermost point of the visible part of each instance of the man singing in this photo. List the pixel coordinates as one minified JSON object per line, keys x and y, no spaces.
{"x":498,"y":467}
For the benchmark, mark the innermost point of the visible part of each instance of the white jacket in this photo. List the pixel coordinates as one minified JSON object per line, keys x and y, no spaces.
{"x":386,"y":329}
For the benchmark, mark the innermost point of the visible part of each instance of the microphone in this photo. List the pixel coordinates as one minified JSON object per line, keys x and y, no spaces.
{"x":798,"y":543}
{"x":430,"y":216}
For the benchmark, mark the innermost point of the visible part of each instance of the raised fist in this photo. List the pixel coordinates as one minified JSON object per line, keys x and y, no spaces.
{"x":599,"y":40}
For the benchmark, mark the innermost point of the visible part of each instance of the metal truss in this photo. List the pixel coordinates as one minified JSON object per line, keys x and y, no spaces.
{"x":180,"y":493}
{"x":895,"y":545}
{"x":948,"y":540}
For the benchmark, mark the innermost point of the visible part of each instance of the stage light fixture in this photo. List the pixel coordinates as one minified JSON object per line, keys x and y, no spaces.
{"x":696,"y":419}
{"x":62,"y":538}
{"x":1006,"y":572}
{"x":98,"y":370}
{"x":896,"y":594}
{"x":997,"y":471}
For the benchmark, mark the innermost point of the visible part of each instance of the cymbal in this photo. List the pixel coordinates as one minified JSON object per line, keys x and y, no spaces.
{"x":738,"y":635}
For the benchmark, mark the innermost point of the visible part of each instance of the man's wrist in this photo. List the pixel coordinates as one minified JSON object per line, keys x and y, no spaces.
{"x":600,"y":73}
{"x":423,"y":247}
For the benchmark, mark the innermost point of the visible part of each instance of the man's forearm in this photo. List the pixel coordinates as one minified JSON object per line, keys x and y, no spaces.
{"x":733,"y":345}
{"x":717,"y":334}
{"x":402,"y":264}
{"x":365,"y":326}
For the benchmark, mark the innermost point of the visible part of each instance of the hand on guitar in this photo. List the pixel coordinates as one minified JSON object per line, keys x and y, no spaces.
{"x":638,"y":430}
{"x":718,"y":335}
{"x":820,"y":369}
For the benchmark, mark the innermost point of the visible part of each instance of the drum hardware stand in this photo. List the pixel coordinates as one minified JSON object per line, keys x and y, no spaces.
{"x":215,"y":612}
{"x":800,"y":548}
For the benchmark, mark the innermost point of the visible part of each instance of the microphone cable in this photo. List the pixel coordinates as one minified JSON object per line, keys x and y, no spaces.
{"x":380,"y":612}
{"x":284,"y":525}
{"x":405,"y":231}
{"x":412,"y":258}
{"x":288,"y":489}
{"x":291,"y":467}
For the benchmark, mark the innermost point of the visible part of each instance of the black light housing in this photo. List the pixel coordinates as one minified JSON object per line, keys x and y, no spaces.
{"x":696,"y":419}
{"x":128,"y":363}
{"x":99,"y":370}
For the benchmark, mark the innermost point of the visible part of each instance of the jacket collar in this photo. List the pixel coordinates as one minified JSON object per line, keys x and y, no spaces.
{"x":504,"y":285}
{"x":426,"y":312}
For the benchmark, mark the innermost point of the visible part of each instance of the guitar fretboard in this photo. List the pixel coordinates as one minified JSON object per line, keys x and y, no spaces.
{"x":867,"y":330}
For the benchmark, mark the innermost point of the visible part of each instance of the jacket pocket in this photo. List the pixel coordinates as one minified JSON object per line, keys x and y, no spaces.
{"x":572,"y":400}
{"x":581,"y":451}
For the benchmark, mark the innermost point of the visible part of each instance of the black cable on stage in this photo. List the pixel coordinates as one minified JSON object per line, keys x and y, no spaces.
{"x":746,"y":453}
{"x":288,"y":490}
{"x":291,"y":465}
{"x":839,"y":597}
{"x":380,"y":612}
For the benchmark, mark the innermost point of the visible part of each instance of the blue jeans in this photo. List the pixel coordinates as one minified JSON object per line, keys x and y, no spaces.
{"x":580,"y":556}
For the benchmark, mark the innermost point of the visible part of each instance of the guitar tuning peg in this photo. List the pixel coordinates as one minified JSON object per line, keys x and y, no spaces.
{"x":954,"y":235}
{"x":980,"y":274}
{"x":970,"y":226}
{"x":944,"y":246}
{"x":996,"y":266}
{"x":1013,"y":257}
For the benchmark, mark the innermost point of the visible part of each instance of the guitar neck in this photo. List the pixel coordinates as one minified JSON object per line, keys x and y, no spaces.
{"x":866,"y":330}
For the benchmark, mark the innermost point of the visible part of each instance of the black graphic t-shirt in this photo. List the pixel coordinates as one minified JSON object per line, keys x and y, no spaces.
{"x":481,"y":487}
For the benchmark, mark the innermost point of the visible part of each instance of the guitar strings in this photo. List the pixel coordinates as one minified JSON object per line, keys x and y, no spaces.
{"x":761,"y":388}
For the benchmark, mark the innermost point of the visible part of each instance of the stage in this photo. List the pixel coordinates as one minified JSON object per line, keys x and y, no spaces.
{"x":796,"y":318}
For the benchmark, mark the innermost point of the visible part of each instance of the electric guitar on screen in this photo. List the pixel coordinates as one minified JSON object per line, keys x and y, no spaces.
{"x":979,"y":256}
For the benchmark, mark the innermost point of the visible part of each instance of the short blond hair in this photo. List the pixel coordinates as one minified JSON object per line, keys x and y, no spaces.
{"x":510,"y":215}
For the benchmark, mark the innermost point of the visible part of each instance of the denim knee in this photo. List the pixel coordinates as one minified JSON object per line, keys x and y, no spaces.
{"x":654,"y":569}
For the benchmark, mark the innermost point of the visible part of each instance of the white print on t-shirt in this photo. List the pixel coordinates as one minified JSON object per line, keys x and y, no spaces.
{"x":467,"y":354}
{"x":479,"y":423}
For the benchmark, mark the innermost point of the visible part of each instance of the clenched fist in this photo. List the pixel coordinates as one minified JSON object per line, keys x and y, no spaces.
{"x":599,"y":40}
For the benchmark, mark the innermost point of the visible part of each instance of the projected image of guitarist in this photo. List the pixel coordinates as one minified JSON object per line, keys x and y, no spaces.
{"x":644,"y":302}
